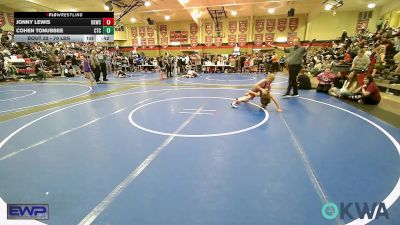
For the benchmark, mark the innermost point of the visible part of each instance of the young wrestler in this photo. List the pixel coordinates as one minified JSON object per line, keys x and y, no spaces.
{"x":190,"y":74}
{"x":261,"y":89}
{"x":87,"y":70}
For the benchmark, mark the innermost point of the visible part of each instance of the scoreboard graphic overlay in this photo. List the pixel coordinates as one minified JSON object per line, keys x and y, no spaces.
{"x":64,"y":26}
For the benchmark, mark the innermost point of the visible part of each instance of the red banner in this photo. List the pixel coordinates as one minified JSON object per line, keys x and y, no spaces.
{"x":218,"y":41}
{"x":242,"y":39}
{"x":291,"y":36}
{"x":11,"y":18}
{"x":208,"y":28}
{"x":208,"y":41}
{"x":163,"y":30}
{"x":232,"y":26}
{"x":164,"y":42}
{"x":134,"y":31}
{"x":150,"y":42}
{"x":232,"y":40}
{"x":193,"y":41}
{"x":361,"y":24}
{"x":293,"y":24}
{"x":243,"y":26}
{"x":193,"y":29}
{"x":258,"y":39}
{"x":2,"y":19}
{"x":142,"y":31}
{"x":269,"y":38}
{"x":271,"y":25}
{"x":282,"y":24}
{"x":150,"y":32}
{"x":143,"y":42}
{"x":260,"y":25}
{"x":135,"y":42}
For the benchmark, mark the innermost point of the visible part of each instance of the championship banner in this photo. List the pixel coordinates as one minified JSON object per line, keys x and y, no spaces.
{"x":218,"y":41}
{"x":150,"y":42}
{"x":208,"y":28}
{"x":143,"y":42}
{"x":193,"y":41}
{"x":243,"y":26}
{"x":164,"y":42}
{"x":242,"y":39}
{"x":193,"y":29}
{"x":163,"y":30}
{"x":10,"y":18}
{"x":260,"y":25}
{"x":291,"y":36}
{"x":232,"y":40}
{"x":208,"y":41}
{"x":293,"y":24}
{"x":269,"y":38}
{"x":232,"y":26}
{"x":142,"y":31}
{"x":135,"y":42}
{"x":271,"y":25}
{"x":282,"y":24}
{"x":2,"y":19}
{"x":150,"y":32}
{"x":134,"y":31}
{"x":361,"y":24}
{"x":258,"y":39}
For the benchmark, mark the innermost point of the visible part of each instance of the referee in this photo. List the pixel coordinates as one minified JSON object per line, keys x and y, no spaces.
{"x":295,"y":60}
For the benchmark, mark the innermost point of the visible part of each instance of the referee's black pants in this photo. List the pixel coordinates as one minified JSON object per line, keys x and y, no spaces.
{"x":293,"y":72}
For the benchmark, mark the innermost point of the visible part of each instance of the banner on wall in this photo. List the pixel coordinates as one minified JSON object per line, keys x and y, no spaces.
{"x":163,"y":30}
{"x":282,"y":24}
{"x":232,"y":40}
{"x":208,"y":41}
{"x":208,"y":28}
{"x":193,"y":29}
{"x":260,"y":25}
{"x":150,"y":42}
{"x":361,"y":24}
{"x":135,"y":42}
{"x":271,"y":25}
{"x":11,"y":18}
{"x":193,"y":41}
{"x":134,"y":31}
{"x":242,"y":39}
{"x":218,"y":41}
{"x":150,"y":32}
{"x":293,"y":23}
{"x":291,"y":36}
{"x":243,"y":26}
{"x":258,"y":39}
{"x":142,"y":31}
{"x":143,"y":42}
{"x":232,"y":26}
{"x":269,"y":38}
{"x":2,"y":19}
{"x":164,"y":42}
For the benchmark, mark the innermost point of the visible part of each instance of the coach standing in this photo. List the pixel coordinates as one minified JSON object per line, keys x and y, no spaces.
{"x":294,"y":60}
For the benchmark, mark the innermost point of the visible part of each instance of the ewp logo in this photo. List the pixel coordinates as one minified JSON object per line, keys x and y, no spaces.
{"x":330,"y":210}
{"x":27,"y":211}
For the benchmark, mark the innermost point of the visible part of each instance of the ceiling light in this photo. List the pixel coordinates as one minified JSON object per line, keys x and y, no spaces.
{"x":371,"y":5}
{"x":106,"y":7}
{"x":328,"y":7}
{"x":133,"y":19}
{"x":167,"y":17}
{"x":73,"y":10}
{"x":147,"y":3}
{"x":271,"y":10}
{"x":234,"y":13}
{"x":184,"y":1}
